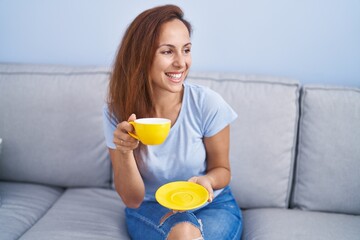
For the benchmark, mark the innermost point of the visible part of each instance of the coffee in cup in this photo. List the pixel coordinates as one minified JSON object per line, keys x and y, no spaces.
{"x":151,"y":131}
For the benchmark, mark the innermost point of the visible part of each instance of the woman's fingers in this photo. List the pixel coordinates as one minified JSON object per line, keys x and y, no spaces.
{"x":206,"y":183}
{"x":132,"y":117}
{"x":122,"y":140}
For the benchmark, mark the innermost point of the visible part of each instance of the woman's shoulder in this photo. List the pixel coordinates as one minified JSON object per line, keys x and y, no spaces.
{"x":203,"y":93}
{"x":200,"y":90}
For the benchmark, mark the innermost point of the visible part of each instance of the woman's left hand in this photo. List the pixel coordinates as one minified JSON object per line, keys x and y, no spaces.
{"x":206,"y":183}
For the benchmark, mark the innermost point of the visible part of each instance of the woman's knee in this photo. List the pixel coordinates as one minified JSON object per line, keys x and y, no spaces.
{"x":184,"y":230}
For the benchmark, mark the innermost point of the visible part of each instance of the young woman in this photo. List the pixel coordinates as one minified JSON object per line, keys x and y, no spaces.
{"x":148,"y":80}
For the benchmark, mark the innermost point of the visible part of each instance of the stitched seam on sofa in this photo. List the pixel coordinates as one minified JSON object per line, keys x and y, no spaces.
{"x":331,"y":88}
{"x":249,"y":80}
{"x":238,"y":75}
{"x":47,"y":210}
{"x":302,"y":114}
{"x":294,"y":148}
{"x":56,"y":73}
{"x":296,"y":157}
{"x":50,"y":68}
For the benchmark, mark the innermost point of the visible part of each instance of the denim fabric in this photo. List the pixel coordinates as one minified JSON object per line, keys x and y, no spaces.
{"x":220,"y":219}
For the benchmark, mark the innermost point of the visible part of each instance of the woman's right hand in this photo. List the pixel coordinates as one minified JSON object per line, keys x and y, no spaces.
{"x":122,"y":140}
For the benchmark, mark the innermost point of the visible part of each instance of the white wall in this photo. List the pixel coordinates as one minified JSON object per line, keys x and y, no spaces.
{"x":314,"y":41}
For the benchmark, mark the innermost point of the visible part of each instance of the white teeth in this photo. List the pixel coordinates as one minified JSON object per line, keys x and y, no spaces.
{"x":176,"y":76}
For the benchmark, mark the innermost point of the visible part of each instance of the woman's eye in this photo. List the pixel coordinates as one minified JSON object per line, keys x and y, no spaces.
{"x":188,"y":50}
{"x":166,"y":52}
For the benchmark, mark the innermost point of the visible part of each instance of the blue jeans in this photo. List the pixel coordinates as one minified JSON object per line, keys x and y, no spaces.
{"x":220,"y":219}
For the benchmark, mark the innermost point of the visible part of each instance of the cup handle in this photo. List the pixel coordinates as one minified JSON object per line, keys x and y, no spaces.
{"x":133,"y":134}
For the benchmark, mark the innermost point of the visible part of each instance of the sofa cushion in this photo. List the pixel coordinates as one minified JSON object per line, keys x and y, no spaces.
{"x":262,"y":137}
{"x":22,"y":205}
{"x":83,"y":213}
{"x":51,"y":121}
{"x":328,"y":164}
{"x":285,"y":224}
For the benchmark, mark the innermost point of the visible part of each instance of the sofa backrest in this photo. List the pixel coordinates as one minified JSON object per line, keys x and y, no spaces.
{"x":328,"y":164}
{"x":51,"y":125}
{"x":263,"y":137}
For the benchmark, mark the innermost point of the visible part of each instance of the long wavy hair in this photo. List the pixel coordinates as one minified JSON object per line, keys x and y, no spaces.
{"x":130,"y":90}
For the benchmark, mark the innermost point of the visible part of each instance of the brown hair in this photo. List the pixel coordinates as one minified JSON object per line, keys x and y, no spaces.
{"x":130,"y":90}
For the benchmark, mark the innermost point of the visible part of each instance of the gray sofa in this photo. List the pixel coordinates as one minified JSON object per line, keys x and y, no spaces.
{"x":295,"y":155}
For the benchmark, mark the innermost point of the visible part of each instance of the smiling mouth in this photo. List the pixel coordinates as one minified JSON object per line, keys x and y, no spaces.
{"x":174,"y":76}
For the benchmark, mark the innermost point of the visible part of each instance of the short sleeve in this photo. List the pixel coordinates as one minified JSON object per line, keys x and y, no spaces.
{"x":109,"y":127}
{"x":216,"y":113}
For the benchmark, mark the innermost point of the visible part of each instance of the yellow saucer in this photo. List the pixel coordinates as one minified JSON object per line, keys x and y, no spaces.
{"x":181,"y":195}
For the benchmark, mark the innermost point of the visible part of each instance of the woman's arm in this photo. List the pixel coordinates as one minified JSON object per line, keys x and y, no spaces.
{"x":218,"y":173}
{"x":127,"y":178}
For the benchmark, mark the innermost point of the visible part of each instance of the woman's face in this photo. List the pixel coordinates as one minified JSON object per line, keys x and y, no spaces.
{"x":172,"y":58}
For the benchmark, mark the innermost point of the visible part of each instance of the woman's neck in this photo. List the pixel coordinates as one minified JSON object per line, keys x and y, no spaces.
{"x":168,"y":105}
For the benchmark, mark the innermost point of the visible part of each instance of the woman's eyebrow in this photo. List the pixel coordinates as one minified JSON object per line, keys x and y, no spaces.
{"x":173,"y":46}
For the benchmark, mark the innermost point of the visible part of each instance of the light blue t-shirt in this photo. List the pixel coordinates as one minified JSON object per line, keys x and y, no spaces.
{"x":203,"y":114}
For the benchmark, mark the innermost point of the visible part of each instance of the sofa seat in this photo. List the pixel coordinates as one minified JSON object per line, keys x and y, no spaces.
{"x":285,"y":224}
{"x":22,"y":205}
{"x":82,"y":213}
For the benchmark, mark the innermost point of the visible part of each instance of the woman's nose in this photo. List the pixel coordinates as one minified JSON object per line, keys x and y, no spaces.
{"x":180,"y":60}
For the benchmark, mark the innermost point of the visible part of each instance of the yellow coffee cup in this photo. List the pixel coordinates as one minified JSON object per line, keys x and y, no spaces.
{"x":151,"y":131}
